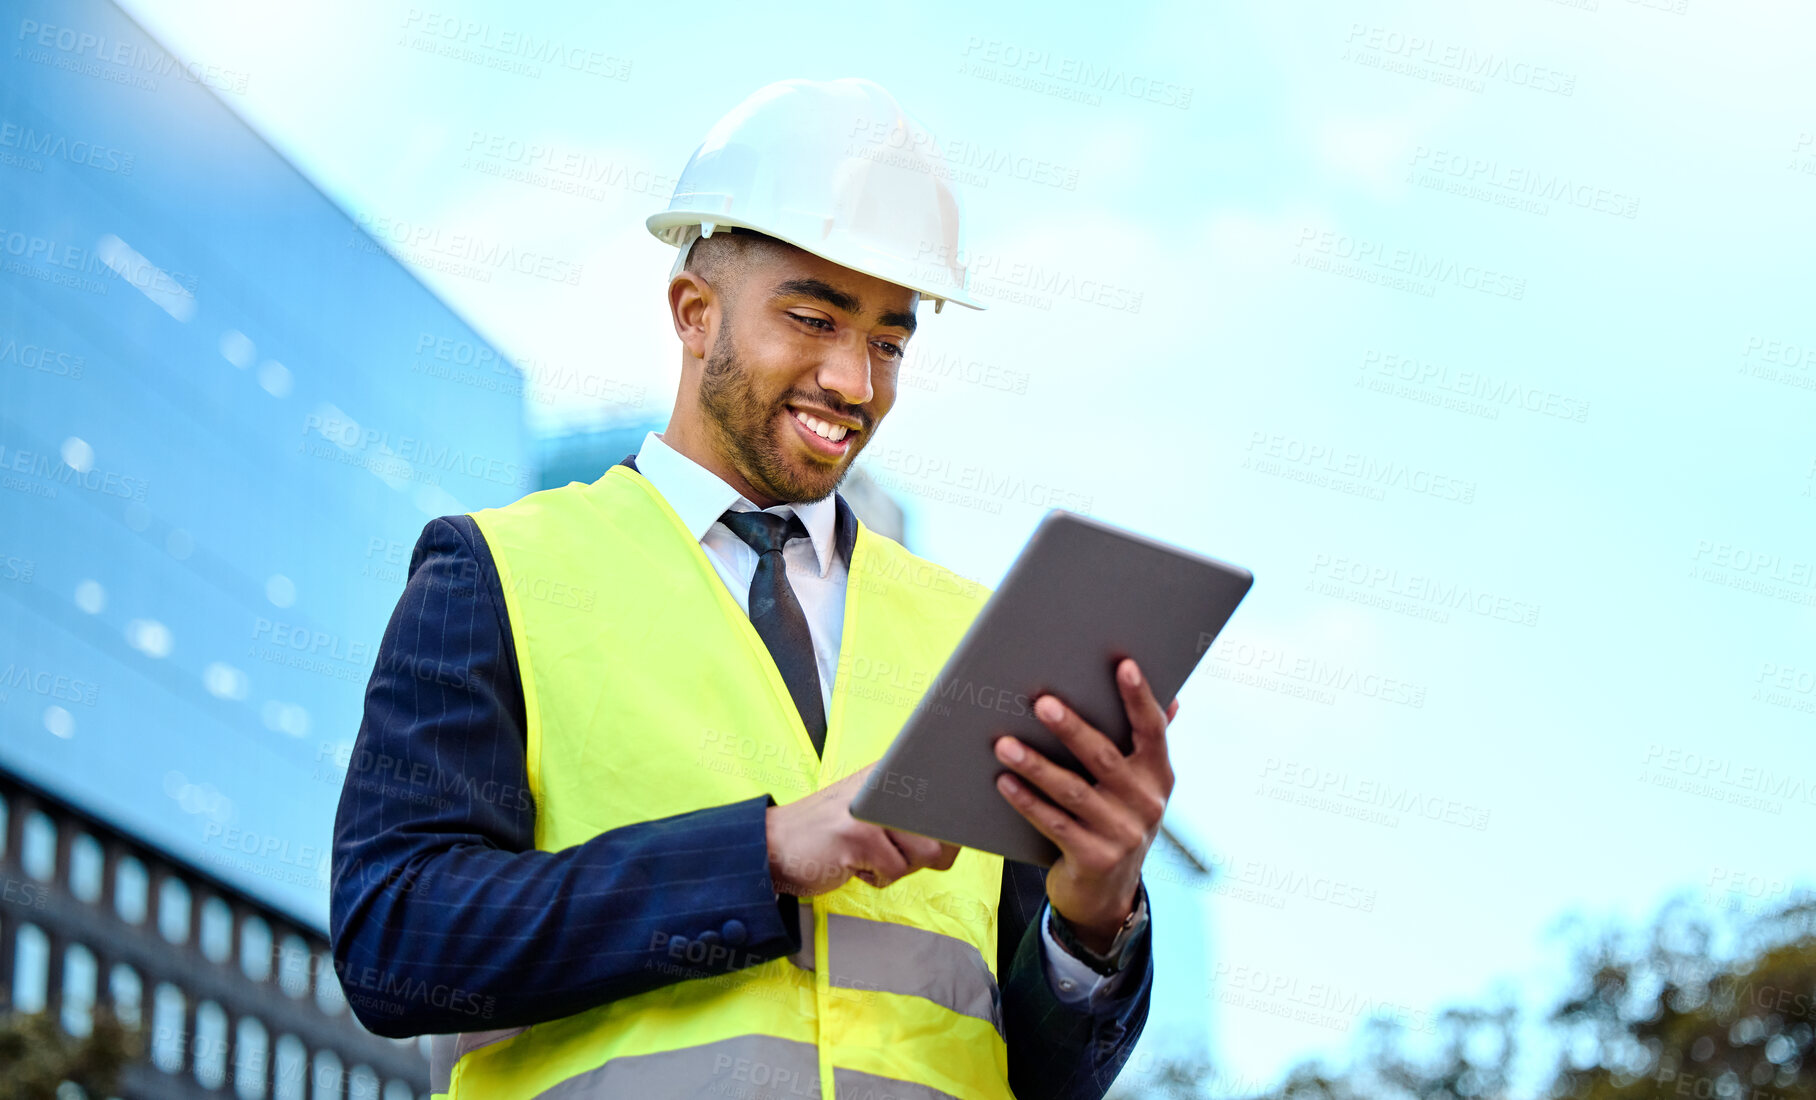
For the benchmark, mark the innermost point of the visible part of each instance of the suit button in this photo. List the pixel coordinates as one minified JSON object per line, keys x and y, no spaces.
{"x":734,"y":932}
{"x":709,"y":938}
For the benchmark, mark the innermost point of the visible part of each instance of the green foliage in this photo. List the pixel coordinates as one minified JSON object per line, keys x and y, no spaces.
{"x":36,"y":1056}
{"x":1669,"y":1021}
{"x":1684,"y":1009}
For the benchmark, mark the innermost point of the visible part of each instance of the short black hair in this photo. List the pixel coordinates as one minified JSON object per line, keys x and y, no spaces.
{"x":722,"y":258}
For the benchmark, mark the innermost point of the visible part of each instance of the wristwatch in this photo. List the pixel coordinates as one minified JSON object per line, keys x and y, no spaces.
{"x":1122,"y":948}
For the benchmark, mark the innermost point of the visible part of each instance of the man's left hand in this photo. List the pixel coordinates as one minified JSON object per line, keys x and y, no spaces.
{"x":1102,"y":829}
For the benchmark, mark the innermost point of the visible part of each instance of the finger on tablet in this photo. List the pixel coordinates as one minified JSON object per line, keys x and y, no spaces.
{"x":918,"y":850}
{"x":1067,"y":789}
{"x":1052,"y":823}
{"x":1144,"y":711}
{"x":1088,"y":745}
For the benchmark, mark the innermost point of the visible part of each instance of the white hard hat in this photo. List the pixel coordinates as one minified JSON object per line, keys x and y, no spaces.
{"x":833,"y":167}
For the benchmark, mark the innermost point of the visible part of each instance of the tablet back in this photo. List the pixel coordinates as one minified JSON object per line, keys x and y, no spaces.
{"x":1081,"y":596}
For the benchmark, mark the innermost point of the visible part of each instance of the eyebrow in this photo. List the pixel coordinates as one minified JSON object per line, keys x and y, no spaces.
{"x":820,"y":290}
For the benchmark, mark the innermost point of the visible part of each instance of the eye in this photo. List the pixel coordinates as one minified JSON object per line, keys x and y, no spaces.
{"x":820,"y":323}
{"x":895,"y":350}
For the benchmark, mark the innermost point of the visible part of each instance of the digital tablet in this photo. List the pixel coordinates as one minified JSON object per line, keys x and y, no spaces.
{"x":1081,"y":596}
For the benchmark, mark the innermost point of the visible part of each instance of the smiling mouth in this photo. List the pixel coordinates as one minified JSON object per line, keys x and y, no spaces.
{"x":822,"y":436}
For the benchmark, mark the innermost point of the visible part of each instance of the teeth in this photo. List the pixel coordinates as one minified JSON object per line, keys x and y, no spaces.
{"x":833,"y":432}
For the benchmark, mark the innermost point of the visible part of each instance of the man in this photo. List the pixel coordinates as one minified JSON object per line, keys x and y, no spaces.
{"x":616,"y":727}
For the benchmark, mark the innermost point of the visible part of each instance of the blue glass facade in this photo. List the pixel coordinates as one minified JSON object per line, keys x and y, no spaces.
{"x":225,"y":414}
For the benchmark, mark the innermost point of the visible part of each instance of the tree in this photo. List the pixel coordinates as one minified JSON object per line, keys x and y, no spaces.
{"x":37,"y":1056}
{"x":1671,"y":1020}
{"x":1685,"y":1009}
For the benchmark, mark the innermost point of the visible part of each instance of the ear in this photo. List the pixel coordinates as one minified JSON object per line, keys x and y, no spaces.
{"x":690,"y":301}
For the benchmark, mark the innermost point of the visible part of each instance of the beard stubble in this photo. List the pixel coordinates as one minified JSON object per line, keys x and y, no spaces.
{"x":749,"y":431}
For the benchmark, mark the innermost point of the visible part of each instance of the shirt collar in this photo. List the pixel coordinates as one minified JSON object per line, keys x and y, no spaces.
{"x":700,"y":497}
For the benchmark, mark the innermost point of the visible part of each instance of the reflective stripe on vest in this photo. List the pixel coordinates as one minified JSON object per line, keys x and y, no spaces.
{"x":647,"y":693}
{"x":874,"y":956}
{"x":897,"y":958}
{"x":748,"y":1065}
{"x":756,"y":1067}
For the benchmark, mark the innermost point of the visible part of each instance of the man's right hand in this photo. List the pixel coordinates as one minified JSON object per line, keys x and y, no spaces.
{"x":815,"y":844}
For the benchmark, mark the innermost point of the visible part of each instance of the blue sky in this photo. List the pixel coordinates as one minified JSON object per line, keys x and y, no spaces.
{"x":1480,"y":333}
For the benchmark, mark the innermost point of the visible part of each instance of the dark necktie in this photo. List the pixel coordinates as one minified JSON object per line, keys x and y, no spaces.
{"x":777,"y":615}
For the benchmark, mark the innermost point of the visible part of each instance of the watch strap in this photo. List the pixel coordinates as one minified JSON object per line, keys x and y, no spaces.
{"x":1121,"y":948}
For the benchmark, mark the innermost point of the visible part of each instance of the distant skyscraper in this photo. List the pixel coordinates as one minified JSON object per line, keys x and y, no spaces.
{"x":225,"y":414}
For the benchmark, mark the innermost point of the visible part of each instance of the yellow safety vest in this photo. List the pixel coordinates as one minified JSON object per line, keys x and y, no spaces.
{"x":648,"y":693}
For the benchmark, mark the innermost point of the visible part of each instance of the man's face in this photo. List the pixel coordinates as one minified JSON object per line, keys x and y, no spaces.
{"x":804,"y":340}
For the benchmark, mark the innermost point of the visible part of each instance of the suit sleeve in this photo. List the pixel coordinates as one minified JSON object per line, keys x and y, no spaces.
{"x":443,"y":916}
{"x":1066,"y":1052}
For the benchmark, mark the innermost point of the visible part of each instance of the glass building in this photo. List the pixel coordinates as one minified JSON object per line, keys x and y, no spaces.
{"x":225,"y":414}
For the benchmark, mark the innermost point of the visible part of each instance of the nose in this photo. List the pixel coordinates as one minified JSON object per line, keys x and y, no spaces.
{"x":846,"y":370}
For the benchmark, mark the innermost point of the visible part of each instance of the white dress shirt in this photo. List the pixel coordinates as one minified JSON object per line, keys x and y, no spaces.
{"x":817,"y":575}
